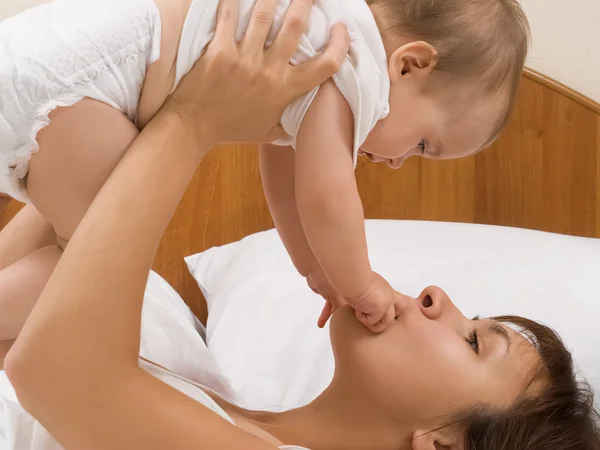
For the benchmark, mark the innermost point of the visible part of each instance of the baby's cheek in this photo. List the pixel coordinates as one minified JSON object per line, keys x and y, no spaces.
{"x":380,"y":139}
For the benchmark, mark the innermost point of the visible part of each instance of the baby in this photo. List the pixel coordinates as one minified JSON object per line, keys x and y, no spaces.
{"x":79,"y":79}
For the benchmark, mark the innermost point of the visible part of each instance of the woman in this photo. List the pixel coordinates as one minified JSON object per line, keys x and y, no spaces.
{"x":434,"y":380}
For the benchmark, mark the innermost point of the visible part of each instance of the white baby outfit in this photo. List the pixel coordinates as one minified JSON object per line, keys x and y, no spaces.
{"x":59,"y":53}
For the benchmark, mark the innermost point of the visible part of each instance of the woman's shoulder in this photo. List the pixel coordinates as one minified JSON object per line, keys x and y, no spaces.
{"x":187,"y":387}
{"x":201,"y":394}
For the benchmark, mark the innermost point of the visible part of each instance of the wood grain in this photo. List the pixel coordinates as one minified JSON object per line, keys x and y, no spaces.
{"x":543,"y":173}
{"x":559,"y":87}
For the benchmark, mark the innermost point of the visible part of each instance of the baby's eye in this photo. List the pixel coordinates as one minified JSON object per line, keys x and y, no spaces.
{"x":422,"y":146}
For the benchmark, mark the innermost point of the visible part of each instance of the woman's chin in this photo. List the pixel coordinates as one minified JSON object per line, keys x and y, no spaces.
{"x":345,"y":323}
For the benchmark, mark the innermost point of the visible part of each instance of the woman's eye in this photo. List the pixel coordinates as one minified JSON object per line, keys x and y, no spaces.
{"x":422,"y":146}
{"x":473,"y":341}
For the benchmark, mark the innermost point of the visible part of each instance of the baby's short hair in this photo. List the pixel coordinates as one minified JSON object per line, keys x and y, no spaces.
{"x":485,"y":41}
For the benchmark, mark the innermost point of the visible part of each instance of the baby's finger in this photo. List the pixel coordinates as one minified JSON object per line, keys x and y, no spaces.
{"x":325,"y":315}
{"x":368,"y":320}
{"x":384,"y":323}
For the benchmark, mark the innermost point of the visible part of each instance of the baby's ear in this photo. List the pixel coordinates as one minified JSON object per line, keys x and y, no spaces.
{"x":413,"y":60}
{"x":434,"y":440}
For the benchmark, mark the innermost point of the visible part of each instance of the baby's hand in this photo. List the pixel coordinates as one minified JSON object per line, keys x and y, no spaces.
{"x":376,"y":308}
{"x":318,"y":282}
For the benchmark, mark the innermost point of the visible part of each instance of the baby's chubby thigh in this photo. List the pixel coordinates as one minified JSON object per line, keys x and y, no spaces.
{"x":77,"y":153}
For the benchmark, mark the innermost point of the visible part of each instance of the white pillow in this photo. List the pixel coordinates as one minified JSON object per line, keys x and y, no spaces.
{"x":262,"y":323}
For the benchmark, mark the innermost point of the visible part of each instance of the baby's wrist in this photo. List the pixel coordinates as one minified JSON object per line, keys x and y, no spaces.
{"x":365,"y":293}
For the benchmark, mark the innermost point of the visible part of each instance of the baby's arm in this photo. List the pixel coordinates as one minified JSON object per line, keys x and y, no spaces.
{"x":327,"y":196}
{"x":331,"y":210}
{"x":277,"y":167}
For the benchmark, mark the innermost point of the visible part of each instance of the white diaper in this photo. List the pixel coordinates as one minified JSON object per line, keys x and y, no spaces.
{"x":57,"y":54}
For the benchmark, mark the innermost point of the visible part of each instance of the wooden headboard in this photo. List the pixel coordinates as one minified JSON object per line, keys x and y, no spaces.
{"x":543,"y":173}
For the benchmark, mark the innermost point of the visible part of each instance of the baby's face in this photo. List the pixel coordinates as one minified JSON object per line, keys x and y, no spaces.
{"x":424,"y":125}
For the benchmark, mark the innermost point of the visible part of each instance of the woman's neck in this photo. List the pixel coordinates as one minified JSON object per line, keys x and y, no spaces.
{"x":338,"y":419}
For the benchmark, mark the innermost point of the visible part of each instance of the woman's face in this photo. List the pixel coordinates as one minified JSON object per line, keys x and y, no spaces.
{"x":433,"y":361}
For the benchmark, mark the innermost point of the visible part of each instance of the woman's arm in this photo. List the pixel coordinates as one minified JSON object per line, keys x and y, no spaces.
{"x":74,"y":366}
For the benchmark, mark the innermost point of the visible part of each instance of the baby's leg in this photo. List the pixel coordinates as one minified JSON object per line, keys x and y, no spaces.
{"x":27,"y":232}
{"x":21,"y":284}
{"x":24,"y":234}
{"x":4,"y":348}
{"x":78,"y":151}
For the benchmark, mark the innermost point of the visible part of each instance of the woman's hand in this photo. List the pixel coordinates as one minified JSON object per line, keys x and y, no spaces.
{"x":259,"y":82}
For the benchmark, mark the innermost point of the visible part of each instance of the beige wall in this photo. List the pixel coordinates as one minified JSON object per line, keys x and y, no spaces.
{"x":566,"y":42}
{"x":10,"y":7}
{"x":566,"y":39}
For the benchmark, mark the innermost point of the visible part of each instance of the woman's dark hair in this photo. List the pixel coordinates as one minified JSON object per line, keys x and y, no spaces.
{"x":559,"y":417}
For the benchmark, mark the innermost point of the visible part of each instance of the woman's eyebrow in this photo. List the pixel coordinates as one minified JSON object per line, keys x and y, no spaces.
{"x":495,"y":327}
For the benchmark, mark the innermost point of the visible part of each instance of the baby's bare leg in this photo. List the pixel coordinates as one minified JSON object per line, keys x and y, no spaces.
{"x":4,"y":348}
{"x":21,"y":284}
{"x":26,"y":233}
{"x":78,"y":151}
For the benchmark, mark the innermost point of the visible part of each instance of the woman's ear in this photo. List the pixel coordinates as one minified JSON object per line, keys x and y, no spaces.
{"x":434,"y":440}
{"x":413,"y":60}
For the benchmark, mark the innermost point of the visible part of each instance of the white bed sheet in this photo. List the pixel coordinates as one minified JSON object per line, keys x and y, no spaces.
{"x":262,"y":331}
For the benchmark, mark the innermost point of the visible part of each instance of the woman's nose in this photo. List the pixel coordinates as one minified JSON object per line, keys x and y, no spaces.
{"x":434,"y":302}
